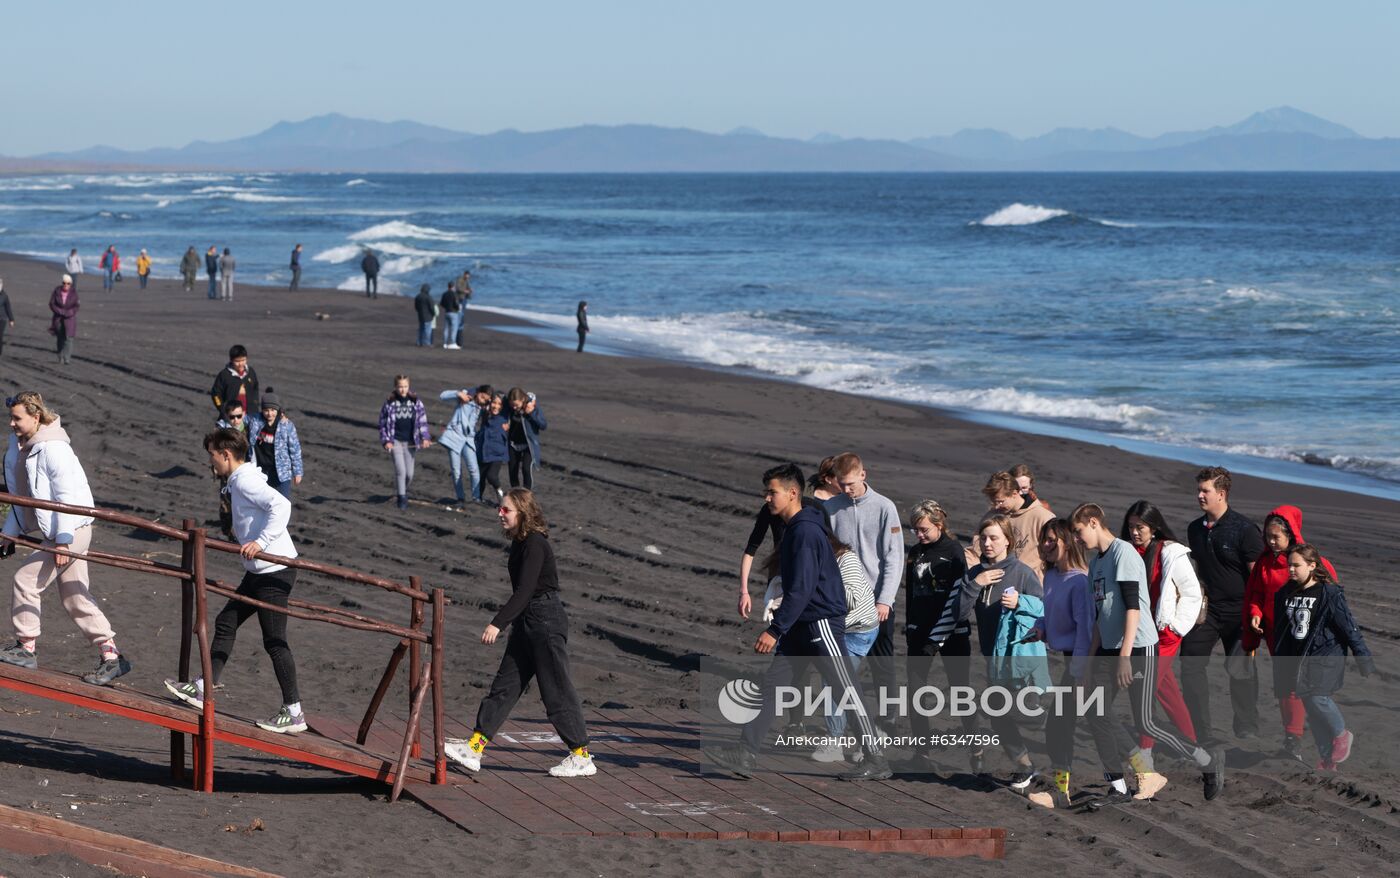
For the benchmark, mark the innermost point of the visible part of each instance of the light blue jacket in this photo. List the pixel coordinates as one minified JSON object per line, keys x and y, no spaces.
{"x":286,"y":447}
{"x":460,"y":434}
{"x":1012,"y":663}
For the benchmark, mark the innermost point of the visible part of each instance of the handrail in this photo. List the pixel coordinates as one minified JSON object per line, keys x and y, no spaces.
{"x":423,"y":677}
{"x":173,"y":533}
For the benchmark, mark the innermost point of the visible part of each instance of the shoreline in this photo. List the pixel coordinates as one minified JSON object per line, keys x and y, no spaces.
{"x":1317,"y":474}
{"x":1304,"y":472}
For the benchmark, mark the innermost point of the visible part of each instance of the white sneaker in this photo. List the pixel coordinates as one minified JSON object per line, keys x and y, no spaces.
{"x":829,"y":752}
{"x":574,"y":766}
{"x":460,"y":752}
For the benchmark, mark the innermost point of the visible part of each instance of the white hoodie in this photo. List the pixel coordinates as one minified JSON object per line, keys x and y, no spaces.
{"x":73,"y":264}
{"x":260,"y":514}
{"x":51,"y":472}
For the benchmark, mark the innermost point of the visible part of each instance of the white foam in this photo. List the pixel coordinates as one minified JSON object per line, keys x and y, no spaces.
{"x":1251,"y":294}
{"x":205,"y":190}
{"x":258,"y":198}
{"x":16,"y":186}
{"x":749,"y":341}
{"x":1019,"y":214}
{"x":356,"y":282}
{"x":405,"y":264}
{"x":337,"y":255}
{"x":356,"y":182}
{"x":401,"y":229}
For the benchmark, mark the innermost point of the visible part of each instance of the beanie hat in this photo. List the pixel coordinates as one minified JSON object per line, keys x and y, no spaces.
{"x":270,"y":400}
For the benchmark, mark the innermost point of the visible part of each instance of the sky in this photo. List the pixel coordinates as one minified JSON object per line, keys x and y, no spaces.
{"x":155,"y":73}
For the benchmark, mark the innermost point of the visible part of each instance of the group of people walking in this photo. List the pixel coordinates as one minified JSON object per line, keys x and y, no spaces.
{"x":1070,"y":598}
{"x":488,"y":431}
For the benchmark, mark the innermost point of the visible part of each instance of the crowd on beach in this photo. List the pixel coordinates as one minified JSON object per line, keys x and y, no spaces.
{"x":1105,"y":602}
{"x":1089,"y":599}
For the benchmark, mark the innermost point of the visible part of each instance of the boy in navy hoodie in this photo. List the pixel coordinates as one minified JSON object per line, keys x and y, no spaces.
{"x":810,"y":622}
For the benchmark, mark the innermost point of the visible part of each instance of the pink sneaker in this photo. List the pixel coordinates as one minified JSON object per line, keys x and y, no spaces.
{"x":1326,"y":765}
{"x":1341,"y":747}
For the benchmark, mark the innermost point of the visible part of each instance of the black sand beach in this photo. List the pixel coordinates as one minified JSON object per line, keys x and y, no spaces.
{"x":638,"y":453}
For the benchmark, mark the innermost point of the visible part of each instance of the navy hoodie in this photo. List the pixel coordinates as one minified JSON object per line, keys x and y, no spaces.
{"x":812,"y":588}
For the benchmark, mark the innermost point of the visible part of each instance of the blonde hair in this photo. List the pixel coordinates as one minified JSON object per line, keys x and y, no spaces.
{"x":930,"y":510}
{"x":33,"y":403}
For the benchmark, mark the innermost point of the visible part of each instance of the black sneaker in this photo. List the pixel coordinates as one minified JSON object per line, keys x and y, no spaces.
{"x":872,"y":767}
{"x":1023,"y":778}
{"x":1293,"y":747}
{"x":1214,"y":774}
{"x":108,"y":670}
{"x":734,"y":758}
{"x":1112,"y":797}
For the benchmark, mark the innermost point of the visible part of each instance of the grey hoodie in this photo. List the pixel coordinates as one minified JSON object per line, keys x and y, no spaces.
{"x":871,"y":526}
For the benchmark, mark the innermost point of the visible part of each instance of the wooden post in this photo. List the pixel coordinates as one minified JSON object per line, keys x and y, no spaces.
{"x":177,"y":739}
{"x":204,"y":780}
{"x":439,"y":734}
{"x":380,"y":692}
{"x":415,"y":657}
{"x":411,"y":734}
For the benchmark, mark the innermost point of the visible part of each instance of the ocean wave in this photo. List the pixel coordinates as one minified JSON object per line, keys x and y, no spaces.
{"x":258,"y":198}
{"x":356,"y":283}
{"x":15,"y":186}
{"x":209,"y":190}
{"x":401,"y":229}
{"x":337,"y":255}
{"x":748,"y":341}
{"x":356,"y":182}
{"x":1251,"y":294}
{"x":1019,"y":214}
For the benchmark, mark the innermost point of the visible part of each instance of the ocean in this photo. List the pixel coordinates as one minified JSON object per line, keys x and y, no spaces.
{"x":1250,"y":318}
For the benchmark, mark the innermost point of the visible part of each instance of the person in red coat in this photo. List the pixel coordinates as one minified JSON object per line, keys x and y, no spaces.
{"x":1283,"y":529}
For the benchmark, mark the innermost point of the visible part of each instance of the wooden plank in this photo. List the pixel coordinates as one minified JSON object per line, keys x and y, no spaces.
{"x":453,"y":802}
{"x":656,"y":741}
{"x":30,"y":833}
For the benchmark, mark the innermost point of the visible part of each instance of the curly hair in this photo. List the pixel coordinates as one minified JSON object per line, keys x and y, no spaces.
{"x":530,"y":518}
{"x":33,"y":403}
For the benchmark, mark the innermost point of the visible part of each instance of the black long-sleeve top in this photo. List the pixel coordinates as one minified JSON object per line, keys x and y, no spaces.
{"x":5,"y":304}
{"x":532,"y":573}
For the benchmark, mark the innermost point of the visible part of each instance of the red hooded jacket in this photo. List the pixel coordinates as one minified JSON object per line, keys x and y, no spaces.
{"x":1269,"y":575}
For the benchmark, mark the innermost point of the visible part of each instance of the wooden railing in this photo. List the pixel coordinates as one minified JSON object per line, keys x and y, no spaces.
{"x":192,"y":572}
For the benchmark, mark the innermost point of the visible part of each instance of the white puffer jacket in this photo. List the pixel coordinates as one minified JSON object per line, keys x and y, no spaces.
{"x":1180,"y":601}
{"x":52,"y":472}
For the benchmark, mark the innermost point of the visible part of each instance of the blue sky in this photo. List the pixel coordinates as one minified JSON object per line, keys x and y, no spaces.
{"x":160,"y":73}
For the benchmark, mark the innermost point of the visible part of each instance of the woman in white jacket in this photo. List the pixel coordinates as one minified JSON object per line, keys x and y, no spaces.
{"x":40,"y":464}
{"x":1176,"y":603}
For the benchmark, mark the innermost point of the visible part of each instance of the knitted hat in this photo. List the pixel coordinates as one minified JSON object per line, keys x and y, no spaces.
{"x":270,"y":400}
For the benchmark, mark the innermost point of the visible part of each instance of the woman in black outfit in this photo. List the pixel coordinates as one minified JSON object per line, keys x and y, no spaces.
{"x":538,"y":646}
{"x":582,"y":324}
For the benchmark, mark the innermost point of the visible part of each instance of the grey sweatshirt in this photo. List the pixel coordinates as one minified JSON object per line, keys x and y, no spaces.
{"x":871,"y":526}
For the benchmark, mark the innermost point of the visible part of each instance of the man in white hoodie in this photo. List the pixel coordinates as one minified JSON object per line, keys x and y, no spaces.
{"x":40,"y":463}
{"x":260,"y":518}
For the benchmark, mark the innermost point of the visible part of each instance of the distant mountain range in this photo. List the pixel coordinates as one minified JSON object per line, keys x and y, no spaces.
{"x":1281,"y":139}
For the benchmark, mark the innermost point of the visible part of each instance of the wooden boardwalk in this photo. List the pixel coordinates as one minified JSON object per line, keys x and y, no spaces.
{"x":650,"y":784}
{"x":123,"y":700}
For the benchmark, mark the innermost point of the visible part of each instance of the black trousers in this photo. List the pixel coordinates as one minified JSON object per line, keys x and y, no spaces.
{"x":825,"y":641}
{"x":522,"y":466}
{"x":1110,"y":737}
{"x":491,"y":472}
{"x":372,"y":285}
{"x":1195,"y":651}
{"x":296,"y":278}
{"x":882,"y":672}
{"x":1060,"y":725}
{"x":956,"y":655}
{"x":273,"y":588}
{"x":538,"y":649}
{"x":581,"y":336}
